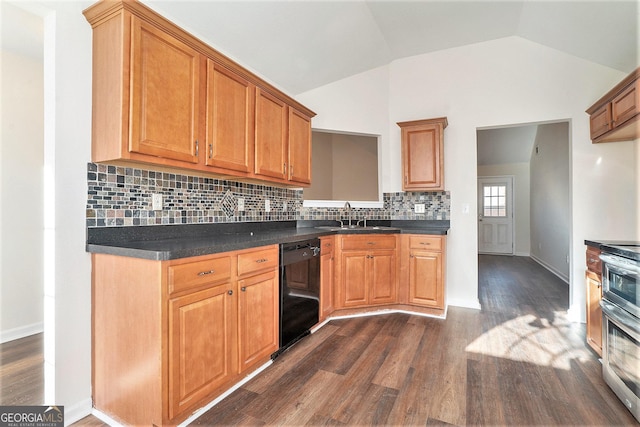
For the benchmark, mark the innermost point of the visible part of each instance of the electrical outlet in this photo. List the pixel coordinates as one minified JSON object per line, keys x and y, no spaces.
{"x":267,"y":205}
{"x":156,"y":202}
{"x":419,"y":208}
{"x":240,"y":204}
{"x":284,"y":206}
{"x":465,"y":208}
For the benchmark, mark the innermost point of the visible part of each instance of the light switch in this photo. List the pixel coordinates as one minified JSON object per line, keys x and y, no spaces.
{"x":267,"y":205}
{"x":240,"y":204}
{"x":419,"y":208}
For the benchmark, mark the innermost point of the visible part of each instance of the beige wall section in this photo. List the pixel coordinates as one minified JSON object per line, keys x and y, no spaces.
{"x":355,"y":161}
{"x":344,"y":167}
{"x":321,"y":167}
{"x":21,"y":196}
{"x":520,"y":172}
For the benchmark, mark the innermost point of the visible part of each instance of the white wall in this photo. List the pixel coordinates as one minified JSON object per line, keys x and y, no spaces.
{"x":21,"y":196}
{"x":550,"y":190}
{"x":520,"y":173}
{"x":500,"y":82}
{"x":67,"y":142}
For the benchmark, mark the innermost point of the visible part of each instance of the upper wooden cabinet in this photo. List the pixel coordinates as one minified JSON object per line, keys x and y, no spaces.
{"x":230,"y":116}
{"x":614,"y":117}
{"x":423,"y":154}
{"x":163,"y":97}
{"x":271,"y":136}
{"x":283,"y":140}
{"x":299,"y":147}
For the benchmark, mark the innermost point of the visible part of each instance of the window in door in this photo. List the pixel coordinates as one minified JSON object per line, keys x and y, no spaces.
{"x":495,"y":201}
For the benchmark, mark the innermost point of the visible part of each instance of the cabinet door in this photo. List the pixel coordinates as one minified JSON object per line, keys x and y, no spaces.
{"x":202,"y":345}
{"x":626,"y":105}
{"x":382,"y":277}
{"x":229,"y":120}
{"x":354,"y":286}
{"x":594,"y":312}
{"x":299,"y":147}
{"x":165,"y":78}
{"x":258,"y":318}
{"x":327,"y":268}
{"x":271,"y":136}
{"x":600,"y":121}
{"x":425,"y":279}
{"x":422,"y":157}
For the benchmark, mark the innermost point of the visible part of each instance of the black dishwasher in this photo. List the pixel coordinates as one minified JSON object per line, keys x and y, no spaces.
{"x":299,"y":290}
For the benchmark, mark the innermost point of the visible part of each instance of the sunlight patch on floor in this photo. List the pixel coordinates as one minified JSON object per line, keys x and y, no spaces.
{"x":531,"y":339}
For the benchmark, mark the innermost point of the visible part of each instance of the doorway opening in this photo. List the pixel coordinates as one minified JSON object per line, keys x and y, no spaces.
{"x":537,"y":158}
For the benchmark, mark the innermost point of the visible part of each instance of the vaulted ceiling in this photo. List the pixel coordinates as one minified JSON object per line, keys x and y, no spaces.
{"x":303,"y":44}
{"x":299,"y":45}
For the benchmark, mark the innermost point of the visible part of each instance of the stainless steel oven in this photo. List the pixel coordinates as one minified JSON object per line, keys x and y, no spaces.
{"x":621,"y":324}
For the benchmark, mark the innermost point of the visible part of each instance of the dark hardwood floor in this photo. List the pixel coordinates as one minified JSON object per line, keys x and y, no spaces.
{"x":518,"y":361}
{"x":22,"y":371}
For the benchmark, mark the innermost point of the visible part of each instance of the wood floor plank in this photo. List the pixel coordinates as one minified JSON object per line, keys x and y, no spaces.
{"x":393,"y":371}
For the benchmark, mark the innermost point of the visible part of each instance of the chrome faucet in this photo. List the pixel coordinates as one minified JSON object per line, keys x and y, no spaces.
{"x":347,"y":206}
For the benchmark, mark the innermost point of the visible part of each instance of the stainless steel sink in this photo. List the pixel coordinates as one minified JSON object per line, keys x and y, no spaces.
{"x":355,"y":228}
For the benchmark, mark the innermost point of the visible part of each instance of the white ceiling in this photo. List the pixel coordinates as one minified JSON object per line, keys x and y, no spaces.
{"x":299,"y":45}
{"x":506,"y":145}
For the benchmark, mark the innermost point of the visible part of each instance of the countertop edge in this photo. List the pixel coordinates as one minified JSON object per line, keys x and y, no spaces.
{"x":137,"y":250}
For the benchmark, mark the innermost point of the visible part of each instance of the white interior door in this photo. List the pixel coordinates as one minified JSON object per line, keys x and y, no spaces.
{"x":495,"y":215}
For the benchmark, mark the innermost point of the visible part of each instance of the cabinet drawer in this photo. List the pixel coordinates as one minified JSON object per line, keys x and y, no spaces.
{"x":593,"y":260}
{"x":192,"y":274}
{"x":326,"y":245}
{"x":262,"y":259}
{"x":425,"y":242}
{"x":369,"y":241}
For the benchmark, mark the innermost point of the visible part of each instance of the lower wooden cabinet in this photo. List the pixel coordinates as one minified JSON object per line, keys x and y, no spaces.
{"x":593,"y":278}
{"x":401,"y":271}
{"x":202,"y":332}
{"x":327,"y":272}
{"x":169,"y":336}
{"x":367,"y":270}
{"x":258,"y":327}
{"x":426,"y":271}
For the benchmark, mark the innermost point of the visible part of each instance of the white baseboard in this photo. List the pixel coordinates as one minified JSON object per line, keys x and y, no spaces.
{"x":21,"y":332}
{"x":522,"y":254}
{"x":464,"y":303}
{"x":77,"y":411}
{"x":551,"y":269}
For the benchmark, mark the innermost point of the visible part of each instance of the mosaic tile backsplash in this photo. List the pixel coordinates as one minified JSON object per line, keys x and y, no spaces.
{"x":122,"y":196}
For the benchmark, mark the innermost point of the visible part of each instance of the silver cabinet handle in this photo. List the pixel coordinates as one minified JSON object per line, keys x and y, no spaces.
{"x":204,"y":273}
{"x":230,"y":292}
{"x":261,"y":260}
{"x":243,"y":289}
{"x":197,"y":148}
{"x":211,"y":151}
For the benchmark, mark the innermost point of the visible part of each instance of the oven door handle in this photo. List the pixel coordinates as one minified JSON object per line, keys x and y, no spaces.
{"x":624,"y":267}
{"x":620,"y":316}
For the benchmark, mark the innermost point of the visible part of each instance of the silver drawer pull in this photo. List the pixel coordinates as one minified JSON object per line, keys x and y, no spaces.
{"x":204,"y":273}
{"x":371,"y":243}
{"x":243,"y":289}
{"x":261,"y":260}
{"x":425,"y":243}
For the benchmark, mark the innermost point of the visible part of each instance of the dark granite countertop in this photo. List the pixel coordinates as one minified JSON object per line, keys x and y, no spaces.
{"x":626,"y":248}
{"x":166,"y":242}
